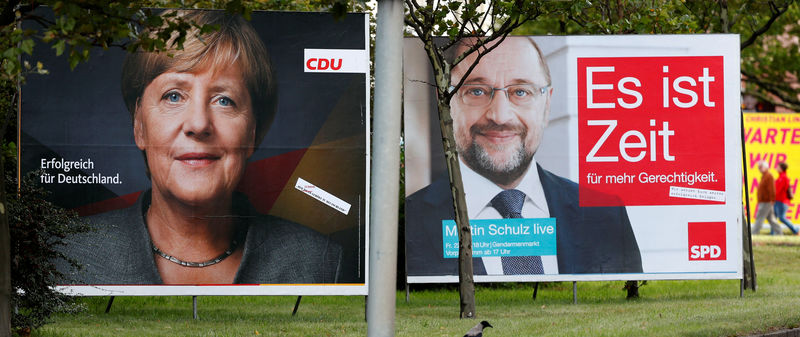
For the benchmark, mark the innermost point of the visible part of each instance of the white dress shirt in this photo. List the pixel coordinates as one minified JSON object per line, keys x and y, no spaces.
{"x":479,"y":193}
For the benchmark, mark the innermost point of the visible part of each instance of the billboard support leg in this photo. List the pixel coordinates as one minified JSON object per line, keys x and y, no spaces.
{"x":110,"y":302}
{"x":574,"y":292}
{"x":746,"y":221}
{"x":408,"y":295}
{"x":296,"y":305}
{"x":535,"y":289}
{"x":194,"y":307}
{"x":741,"y":287}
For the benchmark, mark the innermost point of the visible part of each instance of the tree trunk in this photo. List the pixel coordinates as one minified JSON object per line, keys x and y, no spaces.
{"x":633,"y":289}
{"x":724,"y":20}
{"x":466,"y":284}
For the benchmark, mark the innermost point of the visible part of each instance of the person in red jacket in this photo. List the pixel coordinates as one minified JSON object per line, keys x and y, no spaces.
{"x":782,"y":196}
{"x":766,"y":201}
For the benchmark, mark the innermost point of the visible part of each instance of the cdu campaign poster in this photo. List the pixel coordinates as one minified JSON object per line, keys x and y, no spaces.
{"x":583,"y":158}
{"x":236,"y":165}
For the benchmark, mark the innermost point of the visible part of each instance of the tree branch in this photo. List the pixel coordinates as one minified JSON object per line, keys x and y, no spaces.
{"x":38,"y":19}
{"x":764,"y":97}
{"x":786,"y":96}
{"x":412,"y":4}
{"x":775,"y":13}
{"x":577,"y":20}
{"x":474,"y":64}
{"x":423,"y":82}
{"x":486,"y":14}
{"x":415,"y":22}
{"x":461,"y":27}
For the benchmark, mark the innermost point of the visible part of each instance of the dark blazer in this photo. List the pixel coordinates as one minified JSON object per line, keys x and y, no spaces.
{"x":275,"y":250}
{"x":589,"y":240}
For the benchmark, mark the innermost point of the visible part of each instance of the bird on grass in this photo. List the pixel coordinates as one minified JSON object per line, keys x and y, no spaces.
{"x":477,"y":331}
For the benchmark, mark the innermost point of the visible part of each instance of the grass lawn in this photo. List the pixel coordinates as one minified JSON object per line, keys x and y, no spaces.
{"x":667,"y":308}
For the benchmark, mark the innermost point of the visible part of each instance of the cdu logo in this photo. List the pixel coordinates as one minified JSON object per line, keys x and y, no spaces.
{"x":335,"y":61}
{"x":707,"y":241}
{"x":323,"y":64}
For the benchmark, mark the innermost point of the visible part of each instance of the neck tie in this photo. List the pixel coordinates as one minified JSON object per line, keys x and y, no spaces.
{"x":509,"y":204}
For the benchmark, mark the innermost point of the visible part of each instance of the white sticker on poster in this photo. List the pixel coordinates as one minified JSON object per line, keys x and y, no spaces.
{"x":323,"y":196}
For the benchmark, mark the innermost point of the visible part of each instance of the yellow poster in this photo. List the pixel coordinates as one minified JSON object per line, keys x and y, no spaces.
{"x":772,"y":138}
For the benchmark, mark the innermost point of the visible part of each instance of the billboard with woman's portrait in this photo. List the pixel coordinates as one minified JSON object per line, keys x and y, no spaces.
{"x":237,"y":164}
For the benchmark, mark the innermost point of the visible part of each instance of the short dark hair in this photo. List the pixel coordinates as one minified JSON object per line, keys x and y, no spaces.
{"x":783,"y":166}
{"x":234,"y":41}
{"x":456,"y":49}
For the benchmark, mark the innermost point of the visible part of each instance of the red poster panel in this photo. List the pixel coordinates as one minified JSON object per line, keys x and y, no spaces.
{"x":650,"y":131}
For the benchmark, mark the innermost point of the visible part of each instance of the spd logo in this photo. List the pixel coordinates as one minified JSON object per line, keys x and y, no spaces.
{"x":706,"y":241}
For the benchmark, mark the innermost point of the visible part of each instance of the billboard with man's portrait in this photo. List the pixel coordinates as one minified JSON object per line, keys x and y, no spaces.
{"x":582,"y":158}
{"x":235,"y":164}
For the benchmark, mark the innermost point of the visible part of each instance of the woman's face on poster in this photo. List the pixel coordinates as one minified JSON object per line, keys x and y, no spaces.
{"x":197,"y":130}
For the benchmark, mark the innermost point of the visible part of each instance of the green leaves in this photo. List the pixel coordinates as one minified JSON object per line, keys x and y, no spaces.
{"x":26,"y":46}
{"x":73,"y":27}
{"x":768,"y":62}
{"x":59,"y":47}
{"x":38,"y":229}
{"x":454,"y":6}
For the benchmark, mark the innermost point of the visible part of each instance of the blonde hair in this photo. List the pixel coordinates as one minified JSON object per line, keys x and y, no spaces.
{"x":235,"y":41}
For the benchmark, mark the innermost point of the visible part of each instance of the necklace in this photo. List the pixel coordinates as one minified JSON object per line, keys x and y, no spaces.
{"x":218,"y":259}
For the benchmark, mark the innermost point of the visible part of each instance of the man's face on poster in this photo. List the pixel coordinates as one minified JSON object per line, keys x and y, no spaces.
{"x":500,"y":112}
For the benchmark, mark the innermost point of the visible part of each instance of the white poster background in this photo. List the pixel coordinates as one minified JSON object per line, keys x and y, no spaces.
{"x":661,"y":231}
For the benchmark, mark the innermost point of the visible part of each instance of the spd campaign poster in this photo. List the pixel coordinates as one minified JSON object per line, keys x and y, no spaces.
{"x":236,"y":166}
{"x":583,"y":158}
{"x":773,"y":138}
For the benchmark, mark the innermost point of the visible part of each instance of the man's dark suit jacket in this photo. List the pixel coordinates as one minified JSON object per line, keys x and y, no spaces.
{"x":589,"y":240}
{"x":275,"y":250}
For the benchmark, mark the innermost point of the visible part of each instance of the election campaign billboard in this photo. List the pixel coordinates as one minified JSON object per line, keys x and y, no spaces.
{"x":636,"y":172}
{"x":772,"y":138}
{"x":237,"y":164}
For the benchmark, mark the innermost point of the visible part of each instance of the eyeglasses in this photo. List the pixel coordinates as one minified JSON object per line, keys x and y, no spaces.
{"x":480,"y":95}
